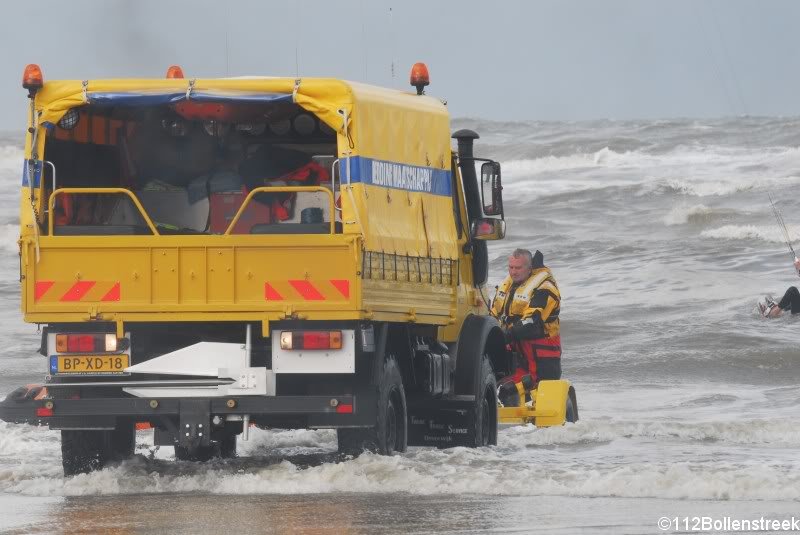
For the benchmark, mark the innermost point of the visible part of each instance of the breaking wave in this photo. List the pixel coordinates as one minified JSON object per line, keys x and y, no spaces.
{"x":680,"y":215}
{"x":708,"y":172}
{"x":771,"y":234}
{"x":718,"y":187}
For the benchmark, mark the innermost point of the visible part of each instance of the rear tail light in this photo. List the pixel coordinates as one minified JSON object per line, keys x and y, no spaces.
{"x":83,"y":343}
{"x":87,"y":343}
{"x":311,"y":340}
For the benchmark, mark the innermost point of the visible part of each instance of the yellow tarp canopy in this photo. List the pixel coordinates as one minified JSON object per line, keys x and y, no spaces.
{"x":374,"y":124}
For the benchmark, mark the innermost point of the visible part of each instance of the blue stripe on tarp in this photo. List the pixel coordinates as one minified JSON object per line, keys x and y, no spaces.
{"x":156,"y":99}
{"x":241,"y":97}
{"x":398,"y":175}
{"x":37,"y":173}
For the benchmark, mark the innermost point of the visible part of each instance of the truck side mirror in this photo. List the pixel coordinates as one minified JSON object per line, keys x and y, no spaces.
{"x":486,"y":228}
{"x":491,"y":189}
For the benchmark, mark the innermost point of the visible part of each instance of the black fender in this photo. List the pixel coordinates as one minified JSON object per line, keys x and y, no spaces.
{"x":480,"y":335}
{"x":574,"y":397}
{"x":373,"y":363}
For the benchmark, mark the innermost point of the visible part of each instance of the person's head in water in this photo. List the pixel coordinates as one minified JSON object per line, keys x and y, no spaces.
{"x":521,"y":263}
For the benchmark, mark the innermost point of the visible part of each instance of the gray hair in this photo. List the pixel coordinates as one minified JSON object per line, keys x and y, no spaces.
{"x":524,"y":253}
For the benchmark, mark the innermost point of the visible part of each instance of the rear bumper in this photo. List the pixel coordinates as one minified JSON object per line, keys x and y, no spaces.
{"x":101,"y":413}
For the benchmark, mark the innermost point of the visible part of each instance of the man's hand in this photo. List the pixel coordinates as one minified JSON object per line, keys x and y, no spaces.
{"x":519,"y":330}
{"x":514,"y":331}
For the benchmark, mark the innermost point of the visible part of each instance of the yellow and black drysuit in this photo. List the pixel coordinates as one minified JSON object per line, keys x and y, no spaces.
{"x":528,"y":313}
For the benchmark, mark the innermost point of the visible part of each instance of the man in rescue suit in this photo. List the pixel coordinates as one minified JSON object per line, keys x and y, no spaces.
{"x":527,"y":304}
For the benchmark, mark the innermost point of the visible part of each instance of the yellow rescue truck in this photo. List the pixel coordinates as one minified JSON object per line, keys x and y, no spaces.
{"x":206,"y":255}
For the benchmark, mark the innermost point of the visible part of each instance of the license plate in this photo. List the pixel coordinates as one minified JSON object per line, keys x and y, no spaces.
{"x":89,"y":364}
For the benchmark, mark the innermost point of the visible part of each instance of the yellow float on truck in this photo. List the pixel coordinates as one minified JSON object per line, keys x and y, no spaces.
{"x":206,"y":255}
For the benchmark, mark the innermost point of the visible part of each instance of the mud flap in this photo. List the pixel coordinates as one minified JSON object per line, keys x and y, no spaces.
{"x":443,"y":423}
{"x":195,"y":423}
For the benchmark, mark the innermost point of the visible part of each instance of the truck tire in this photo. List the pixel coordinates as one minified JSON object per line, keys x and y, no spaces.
{"x":485,"y":411}
{"x":390,"y":433}
{"x":86,"y":451}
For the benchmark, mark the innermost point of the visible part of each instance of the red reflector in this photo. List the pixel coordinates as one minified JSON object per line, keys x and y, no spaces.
{"x":316,"y":340}
{"x":344,"y":408}
{"x":43,"y":411}
{"x":141,"y":426}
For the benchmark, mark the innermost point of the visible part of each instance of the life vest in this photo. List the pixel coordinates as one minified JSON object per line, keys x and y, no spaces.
{"x":508,"y":307}
{"x":311,"y":174}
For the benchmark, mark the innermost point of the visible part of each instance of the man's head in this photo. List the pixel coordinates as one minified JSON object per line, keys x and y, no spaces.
{"x":520,"y":265}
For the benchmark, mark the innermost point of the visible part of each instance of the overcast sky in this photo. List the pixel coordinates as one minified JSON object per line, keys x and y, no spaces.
{"x":513,"y":60}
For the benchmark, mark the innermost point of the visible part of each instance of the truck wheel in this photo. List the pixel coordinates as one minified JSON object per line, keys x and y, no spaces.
{"x":485,"y":412}
{"x":86,"y":451}
{"x":390,"y":433}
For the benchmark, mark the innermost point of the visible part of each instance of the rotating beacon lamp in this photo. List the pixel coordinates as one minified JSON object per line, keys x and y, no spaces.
{"x":420,"y":77}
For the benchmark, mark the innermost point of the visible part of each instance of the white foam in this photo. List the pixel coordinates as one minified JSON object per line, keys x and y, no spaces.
{"x":681,"y":215}
{"x":515,"y":169}
{"x":11,"y":160}
{"x":432,"y":472}
{"x":700,"y":172}
{"x":287,"y":442}
{"x":770,"y":234}
{"x":9,"y":235}
{"x":26,"y":441}
{"x":734,"y":183}
{"x":528,"y":461}
{"x":774,"y":433}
